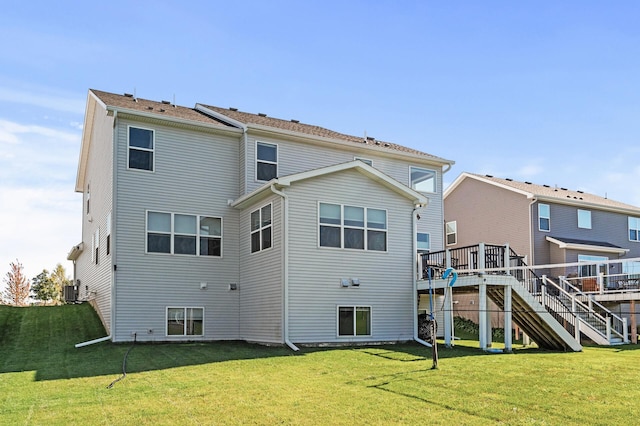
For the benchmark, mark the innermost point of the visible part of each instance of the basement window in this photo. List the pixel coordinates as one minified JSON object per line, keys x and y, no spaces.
{"x":185,"y":321}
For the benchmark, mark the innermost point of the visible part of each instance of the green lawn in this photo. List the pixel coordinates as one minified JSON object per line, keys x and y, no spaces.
{"x":44,"y":379}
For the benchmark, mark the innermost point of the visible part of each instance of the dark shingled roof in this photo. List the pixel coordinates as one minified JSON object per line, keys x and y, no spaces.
{"x":585,"y":242}
{"x":175,"y":111}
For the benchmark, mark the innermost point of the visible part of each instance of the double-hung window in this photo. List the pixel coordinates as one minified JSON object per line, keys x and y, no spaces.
{"x":354,"y":321}
{"x":544,"y":217}
{"x":261,"y":229}
{"x":423,"y":180}
{"x":352,"y":227}
{"x":184,"y":234}
{"x":634,"y":229}
{"x":141,"y":148}
{"x":266,"y":161}
{"x":451,"y":231}
{"x":185,"y":321}
{"x":423,"y":242}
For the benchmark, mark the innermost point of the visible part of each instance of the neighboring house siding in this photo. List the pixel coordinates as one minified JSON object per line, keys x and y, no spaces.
{"x":261,"y":280}
{"x":314,"y":272}
{"x":296,"y":157}
{"x":485,"y":213}
{"x":195,"y":173}
{"x":95,"y":279}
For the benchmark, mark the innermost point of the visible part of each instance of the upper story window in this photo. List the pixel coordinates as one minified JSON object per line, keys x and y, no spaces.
{"x":544,"y":217}
{"x":584,"y":219}
{"x":141,"y":148}
{"x":423,"y":180}
{"x":352,"y":227}
{"x":451,"y":232}
{"x":184,"y":234}
{"x":266,"y":161}
{"x":364,"y":160}
{"x":634,"y":229}
{"x":424,"y":242}
{"x":261,"y":229}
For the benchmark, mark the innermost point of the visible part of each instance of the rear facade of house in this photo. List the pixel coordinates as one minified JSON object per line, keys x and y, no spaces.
{"x":209,"y":224}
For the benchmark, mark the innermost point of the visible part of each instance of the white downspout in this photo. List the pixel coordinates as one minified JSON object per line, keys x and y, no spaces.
{"x":114,"y":228}
{"x":285,"y":266}
{"x":91,"y":342}
{"x":414,"y":245}
{"x":532,"y":243}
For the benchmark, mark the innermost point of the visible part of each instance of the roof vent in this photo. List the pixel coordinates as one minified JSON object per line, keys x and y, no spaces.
{"x":233,"y":109}
{"x":580,"y":192}
{"x":166,"y":102}
{"x":509,"y":179}
{"x":162,"y":110}
{"x":149,"y":107}
{"x":386,"y":144}
{"x":489,"y":176}
{"x":295,"y":121}
{"x":377,"y":142}
{"x":262,"y":114}
{"x":546,"y":186}
{"x":128,"y":95}
{"x":528,"y":183}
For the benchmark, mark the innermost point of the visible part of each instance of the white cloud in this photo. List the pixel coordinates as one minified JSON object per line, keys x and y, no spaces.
{"x":10,"y":130}
{"x":55,"y":102}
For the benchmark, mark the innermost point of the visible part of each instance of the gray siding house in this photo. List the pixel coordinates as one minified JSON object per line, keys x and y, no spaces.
{"x":545,"y":224}
{"x":209,"y":223}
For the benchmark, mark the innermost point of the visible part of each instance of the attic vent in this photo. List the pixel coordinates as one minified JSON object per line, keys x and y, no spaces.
{"x":509,"y":179}
{"x":233,"y":109}
{"x":581,"y":198}
{"x":386,"y":144}
{"x":564,"y":189}
{"x":377,"y":142}
{"x":149,"y":107}
{"x":166,"y":102}
{"x":295,"y":121}
{"x":580,"y":192}
{"x":489,"y":176}
{"x":528,"y":183}
{"x":370,"y":138}
{"x":128,"y":95}
{"x":262,"y":114}
{"x":162,"y":110}
{"x":546,"y":186}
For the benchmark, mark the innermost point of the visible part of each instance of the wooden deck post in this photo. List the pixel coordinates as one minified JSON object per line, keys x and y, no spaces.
{"x":634,"y":329}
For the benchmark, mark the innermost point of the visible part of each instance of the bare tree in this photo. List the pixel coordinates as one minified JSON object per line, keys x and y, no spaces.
{"x":18,"y":285}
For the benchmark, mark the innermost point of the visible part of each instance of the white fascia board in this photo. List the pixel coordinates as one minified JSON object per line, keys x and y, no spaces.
{"x":75,"y":251}
{"x":219,"y":116}
{"x":587,"y":247}
{"x":368,"y":171}
{"x":275,"y":132}
{"x":174,"y":120}
{"x":466,"y":175}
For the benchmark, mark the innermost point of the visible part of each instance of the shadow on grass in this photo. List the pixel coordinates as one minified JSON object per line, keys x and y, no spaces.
{"x":42,"y":339}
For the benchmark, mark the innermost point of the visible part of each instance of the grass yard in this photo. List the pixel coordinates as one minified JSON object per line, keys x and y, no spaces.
{"x":44,"y":379}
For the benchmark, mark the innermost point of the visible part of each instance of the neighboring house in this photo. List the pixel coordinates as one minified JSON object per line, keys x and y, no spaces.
{"x":545,"y":224}
{"x":208,"y":223}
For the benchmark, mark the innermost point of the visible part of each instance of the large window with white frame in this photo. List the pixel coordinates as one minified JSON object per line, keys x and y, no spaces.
{"x":584,"y":219}
{"x":544,"y":217}
{"x":173,"y":233}
{"x":354,"y":321}
{"x":423,"y":242}
{"x":261,"y":228}
{"x":184,"y":321}
{"x":141,"y":148}
{"x":451,"y":232}
{"x":351,"y":227}
{"x":634,"y":229}
{"x":423,"y":180}
{"x":266,"y":161}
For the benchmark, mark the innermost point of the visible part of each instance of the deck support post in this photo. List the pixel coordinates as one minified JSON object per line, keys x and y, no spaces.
{"x":507,"y":319}
{"x":448,"y":317}
{"x":634,"y":329}
{"x":482,"y":317}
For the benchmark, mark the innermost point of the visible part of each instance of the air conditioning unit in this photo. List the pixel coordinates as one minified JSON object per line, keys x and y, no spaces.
{"x":70,"y":293}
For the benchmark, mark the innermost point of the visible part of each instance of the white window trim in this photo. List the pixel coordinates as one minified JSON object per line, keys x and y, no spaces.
{"x":435,"y":179}
{"x":166,"y":322}
{"x":425,"y":233}
{"x":354,"y":335}
{"x":367,"y":161}
{"x":637,"y":228}
{"x":544,"y":217}
{"x":277,"y":162}
{"x":578,"y":213}
{"x":259,"y":230}
{"x":108,"y":239}
{"x":342,"y":226}
{"x":153,"y":151}
{"x":172,"y":234}
{"x":446,"y":234}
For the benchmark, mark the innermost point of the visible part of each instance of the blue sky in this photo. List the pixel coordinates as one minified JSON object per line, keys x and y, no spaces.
{"x":542,"y":91}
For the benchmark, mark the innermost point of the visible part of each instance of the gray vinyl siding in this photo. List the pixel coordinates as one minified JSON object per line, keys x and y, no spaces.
{"x":95,"y":279}
{"x":314,"y":272}
{"x":296,"y":157}
{"x":606,"y":226}
{"x":195,"y":173}
{"x":261,"y":279}
{"x":486,"y":213}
